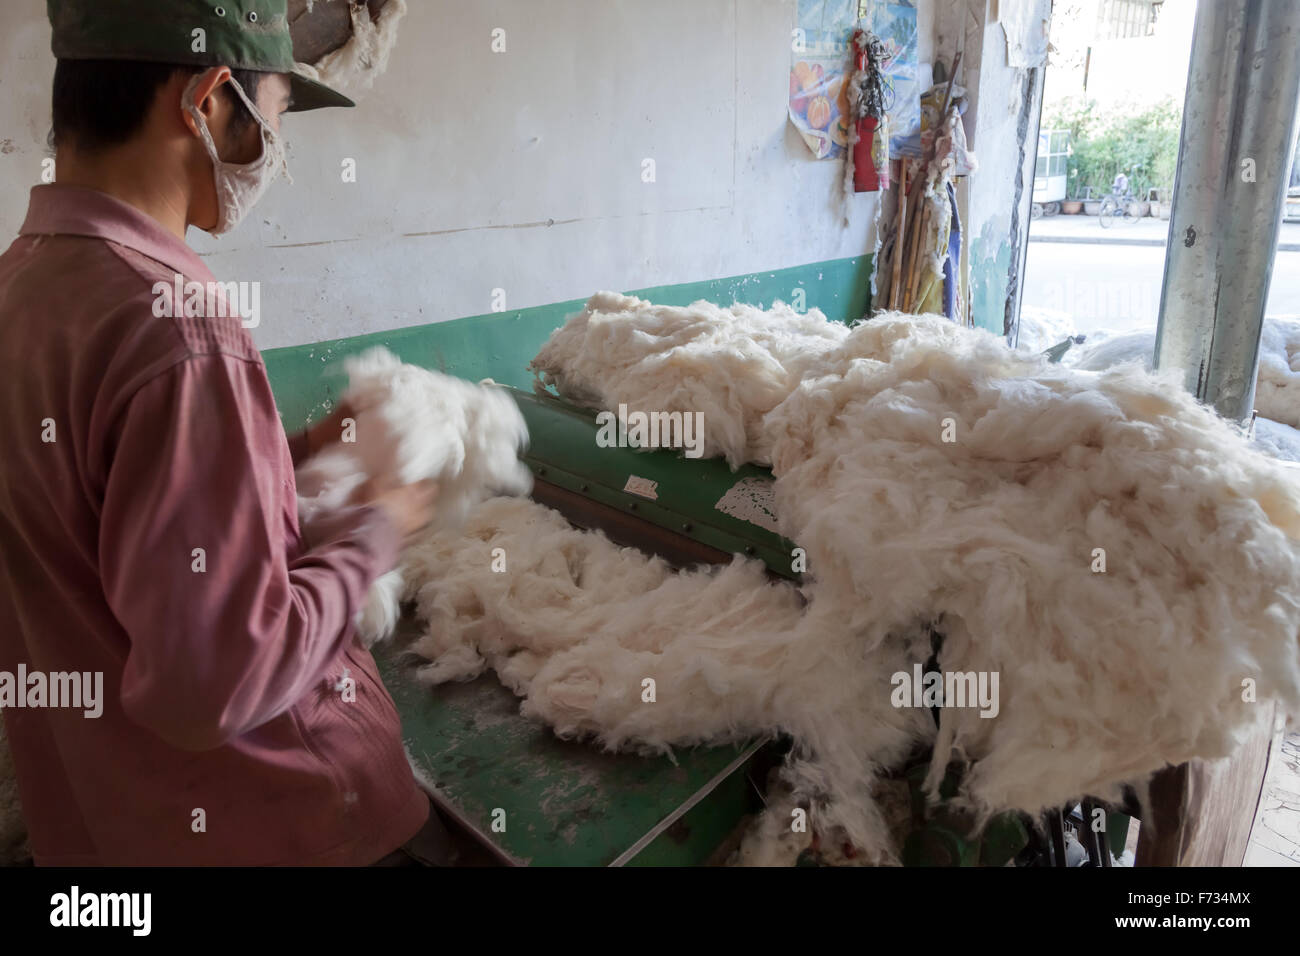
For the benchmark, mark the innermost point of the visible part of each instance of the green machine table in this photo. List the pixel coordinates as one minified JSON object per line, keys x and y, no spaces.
{"x":539,"y":800}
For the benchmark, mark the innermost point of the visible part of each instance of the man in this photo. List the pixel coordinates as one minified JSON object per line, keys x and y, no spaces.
{"x":148,"y":528}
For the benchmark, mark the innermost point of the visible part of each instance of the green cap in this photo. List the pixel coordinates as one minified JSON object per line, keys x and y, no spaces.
{"x":240,"y":34}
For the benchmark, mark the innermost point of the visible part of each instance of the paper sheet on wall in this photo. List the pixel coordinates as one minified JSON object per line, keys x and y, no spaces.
{"x":821,"y":61}
{"x":1026,"y":33}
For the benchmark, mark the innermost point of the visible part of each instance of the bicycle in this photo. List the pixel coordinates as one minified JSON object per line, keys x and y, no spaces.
{"x":1122,"y":206}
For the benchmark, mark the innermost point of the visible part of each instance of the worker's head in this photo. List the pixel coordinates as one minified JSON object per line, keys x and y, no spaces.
{"x":193,"y":88}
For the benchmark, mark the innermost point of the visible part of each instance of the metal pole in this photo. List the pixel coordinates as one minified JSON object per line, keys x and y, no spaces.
{"x":1239,"y":122}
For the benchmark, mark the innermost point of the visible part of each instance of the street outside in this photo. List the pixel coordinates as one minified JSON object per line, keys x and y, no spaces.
{"x":1111,"y":278}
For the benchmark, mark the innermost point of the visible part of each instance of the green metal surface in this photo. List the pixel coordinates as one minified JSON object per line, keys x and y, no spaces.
{"x":307,"y":379}
{"x":563,"y":451}
{"x":569,"y":803}
{"x":941,"y":836}
{"x":1117,"y":825}
{"x":564,"y":803}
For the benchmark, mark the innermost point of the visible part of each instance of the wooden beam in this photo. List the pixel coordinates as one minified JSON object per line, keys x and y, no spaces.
{"x":1200,"y":814}
{"x":326,"y":28}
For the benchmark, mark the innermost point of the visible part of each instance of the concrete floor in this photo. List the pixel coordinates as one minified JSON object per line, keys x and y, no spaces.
{"x":1275,"y":836}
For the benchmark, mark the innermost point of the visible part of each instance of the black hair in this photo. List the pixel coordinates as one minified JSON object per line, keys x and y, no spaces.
{"x":99,"y":104}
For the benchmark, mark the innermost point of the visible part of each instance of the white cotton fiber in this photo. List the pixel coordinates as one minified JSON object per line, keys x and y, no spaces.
{"x":576,"y":625}
{"x":353,"y":67}
{"x":1103,"y":350}
{"x":1277,"y":390}
{"x":414,"y":424}
{"x":1277,"y":387}
{"x":731,"y":364}
{"x":1278,"y":440}
{"x":1041,"y":328}
{"x":1107,"y":675}
{"x":1116,"y":554}
{"x":593,"y":620}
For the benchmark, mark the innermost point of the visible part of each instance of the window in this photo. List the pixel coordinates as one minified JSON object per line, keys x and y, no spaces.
{"x":1123,"y":19}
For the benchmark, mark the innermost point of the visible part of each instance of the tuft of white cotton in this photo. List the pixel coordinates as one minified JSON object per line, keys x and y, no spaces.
{"x":414,"y":424}
{"x":732,"y":364}
{"x":354,"y":66}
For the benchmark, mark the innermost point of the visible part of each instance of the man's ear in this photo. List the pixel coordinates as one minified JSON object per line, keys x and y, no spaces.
{"x":205,"y":95}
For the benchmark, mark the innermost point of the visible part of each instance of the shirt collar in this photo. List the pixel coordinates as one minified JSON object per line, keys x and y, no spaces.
{"x":56,"y":210}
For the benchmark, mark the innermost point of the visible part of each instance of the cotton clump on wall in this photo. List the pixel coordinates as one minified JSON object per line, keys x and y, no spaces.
{"x":353,"y":67}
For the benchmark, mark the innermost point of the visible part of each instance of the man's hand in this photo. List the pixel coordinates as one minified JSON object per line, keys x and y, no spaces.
{"x":409,"y":506}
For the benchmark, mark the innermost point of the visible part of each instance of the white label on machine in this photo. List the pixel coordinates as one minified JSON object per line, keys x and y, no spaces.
{"x":643,"y":487}
{"x":752,"y":500}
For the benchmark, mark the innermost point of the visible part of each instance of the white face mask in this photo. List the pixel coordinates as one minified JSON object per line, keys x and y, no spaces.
{"x":239,"y":187}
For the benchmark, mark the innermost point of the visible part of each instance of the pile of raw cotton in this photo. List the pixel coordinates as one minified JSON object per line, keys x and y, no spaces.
{"x":413,"y":424}
{"x":1112,"y":551}
{"x":734,"y":365}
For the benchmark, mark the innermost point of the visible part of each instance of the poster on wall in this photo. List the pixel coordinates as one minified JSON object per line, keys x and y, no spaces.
{"x":820,"y":63}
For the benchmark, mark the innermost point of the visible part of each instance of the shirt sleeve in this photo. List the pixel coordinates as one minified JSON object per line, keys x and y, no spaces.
{"x":229,"y":624}
{"x":298,"y":450}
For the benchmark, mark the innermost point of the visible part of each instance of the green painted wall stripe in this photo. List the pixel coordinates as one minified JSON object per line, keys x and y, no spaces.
{"x":306,"y":379}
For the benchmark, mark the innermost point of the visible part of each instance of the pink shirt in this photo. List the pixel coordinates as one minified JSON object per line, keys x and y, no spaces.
{"x":219,"y":674}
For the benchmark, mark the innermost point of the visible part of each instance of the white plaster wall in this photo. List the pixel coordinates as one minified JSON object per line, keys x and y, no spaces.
{"x":519,"y":171}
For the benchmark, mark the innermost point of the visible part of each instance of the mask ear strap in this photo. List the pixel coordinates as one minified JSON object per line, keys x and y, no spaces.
{"x":270,"y":134}
{"x":252,"y":108}
{"x":204,"y":133}
{"x":257,"y":114}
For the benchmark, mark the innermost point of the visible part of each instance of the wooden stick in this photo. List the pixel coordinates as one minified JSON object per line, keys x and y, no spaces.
{"x":899,"y":237}
{"x":920,"y":211}
{"x":917,"y":227}
{"x":947,"y":94}
{"x":917,"y":256}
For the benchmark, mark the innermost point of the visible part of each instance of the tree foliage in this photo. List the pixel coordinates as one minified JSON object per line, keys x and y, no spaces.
{"x":1140,"y":141}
